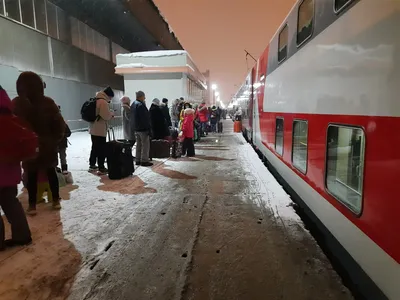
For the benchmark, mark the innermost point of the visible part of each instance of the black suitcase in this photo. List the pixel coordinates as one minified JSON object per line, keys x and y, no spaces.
{"x":119,"y":158}
{"x":160,"y":149}
{"x":220,"y":127}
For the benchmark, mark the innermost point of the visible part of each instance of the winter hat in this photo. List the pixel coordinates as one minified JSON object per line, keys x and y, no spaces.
{"x":125,"y":100}
{"x":109,"y":92}
{"x":164,"y":100}
{"x":189,"y":111}
{"x":30,"y":85}
{"x":156,"y":101}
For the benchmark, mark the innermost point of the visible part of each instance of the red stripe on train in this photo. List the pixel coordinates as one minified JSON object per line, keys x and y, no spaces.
{"x":380,"y":215}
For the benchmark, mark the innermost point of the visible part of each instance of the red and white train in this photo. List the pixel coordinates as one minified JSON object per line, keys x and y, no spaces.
{"x":322,"y":106}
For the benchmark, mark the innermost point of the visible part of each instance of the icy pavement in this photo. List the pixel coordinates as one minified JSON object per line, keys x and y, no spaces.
{"x":217,"y":226}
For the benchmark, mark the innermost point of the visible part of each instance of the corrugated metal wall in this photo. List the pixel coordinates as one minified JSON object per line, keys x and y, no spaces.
{"x":72,"y":76}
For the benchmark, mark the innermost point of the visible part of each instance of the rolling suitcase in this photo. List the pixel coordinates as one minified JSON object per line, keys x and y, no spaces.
{"x":220,"y":127}
{"x":119,"y":158}
{"x":160,"y":149}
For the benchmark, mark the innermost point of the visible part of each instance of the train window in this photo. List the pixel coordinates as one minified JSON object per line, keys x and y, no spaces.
{"x":345,"y":165}
{"x":340,"y":4}
{"x":279,"y":136}
{"x":305,"y":21}
{"x":12,"y":10}
{"x":283,"y":43}
{"x":299,"y":147}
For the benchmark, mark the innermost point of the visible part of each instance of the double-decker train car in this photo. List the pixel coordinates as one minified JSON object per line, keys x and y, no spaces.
{"x":323,"y":105}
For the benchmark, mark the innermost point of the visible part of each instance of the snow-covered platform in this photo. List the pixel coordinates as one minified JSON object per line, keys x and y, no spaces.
{"x":217,"y":226}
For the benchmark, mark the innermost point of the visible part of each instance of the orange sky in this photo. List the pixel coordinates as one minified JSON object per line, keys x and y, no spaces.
{"x":216,"y":32}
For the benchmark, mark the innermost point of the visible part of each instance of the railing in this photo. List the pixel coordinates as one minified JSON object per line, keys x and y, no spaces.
{"x":81,"y":125}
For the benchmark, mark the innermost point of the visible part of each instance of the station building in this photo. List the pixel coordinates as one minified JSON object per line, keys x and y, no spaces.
{"x":73,"y":45}
{"x":161,"y":74}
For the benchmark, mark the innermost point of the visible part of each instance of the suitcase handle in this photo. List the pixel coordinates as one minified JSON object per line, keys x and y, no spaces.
{"x":110,"y":129}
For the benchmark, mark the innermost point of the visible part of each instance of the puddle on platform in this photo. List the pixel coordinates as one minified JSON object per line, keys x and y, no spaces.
{"x":162,"y":170}
{"x":127,"y":186}
{"x":46,"y":268}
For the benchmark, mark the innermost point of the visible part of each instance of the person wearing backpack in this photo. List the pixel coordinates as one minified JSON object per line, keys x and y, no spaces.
{"x":17,"y":143}
{"x":44,"y":118}
{"x":98,"y":130}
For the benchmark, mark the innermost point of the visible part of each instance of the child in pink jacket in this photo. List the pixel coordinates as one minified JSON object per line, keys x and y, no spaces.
{"x":188,"y":132}
{"x":10,"y":177}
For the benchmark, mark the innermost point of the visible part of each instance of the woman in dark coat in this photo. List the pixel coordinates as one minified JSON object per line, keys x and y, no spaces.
{"x":159,"y":126}
{"x":45,"y":119}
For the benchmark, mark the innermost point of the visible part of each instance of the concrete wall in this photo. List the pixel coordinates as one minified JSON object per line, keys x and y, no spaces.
{"x":170,"y":86}
{"x":72,"y":76}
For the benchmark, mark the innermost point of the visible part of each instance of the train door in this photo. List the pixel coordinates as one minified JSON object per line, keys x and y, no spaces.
{"x":251,"y":104}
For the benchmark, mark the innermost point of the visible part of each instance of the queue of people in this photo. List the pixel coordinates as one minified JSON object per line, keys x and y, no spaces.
{"x":46,"y":140}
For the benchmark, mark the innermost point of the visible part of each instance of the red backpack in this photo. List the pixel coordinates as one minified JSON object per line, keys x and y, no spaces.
{"x":17,"y":142}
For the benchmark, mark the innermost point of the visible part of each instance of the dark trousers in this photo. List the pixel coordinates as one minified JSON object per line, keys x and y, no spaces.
{"x":33,"y":185}
{"x":188,"y":147}
{"x":98,"y":153}
{"x":15,"y":215}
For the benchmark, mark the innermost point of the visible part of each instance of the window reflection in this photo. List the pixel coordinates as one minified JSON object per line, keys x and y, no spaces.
{"x":12,"y":10}
{"x":345,"y":165}
{"x":27,"y":13}
{"x":305,"y":21}
{"x":300,"y":141}
{"x":40,"y":13}
{"x":279,"y":136}
{"x":52,"y":20}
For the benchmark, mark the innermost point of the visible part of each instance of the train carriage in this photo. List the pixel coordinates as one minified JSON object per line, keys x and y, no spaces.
{"x":324,"y":111}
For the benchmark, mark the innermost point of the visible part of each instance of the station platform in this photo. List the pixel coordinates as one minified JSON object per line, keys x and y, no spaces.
{"x":216,"y":226}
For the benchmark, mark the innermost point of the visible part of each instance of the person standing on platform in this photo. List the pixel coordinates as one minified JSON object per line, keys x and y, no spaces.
{"x":126,"y":115}
{"x":140,"y":124}
{"x":175,"y":113}
{"x":10,"y":175}
{"x":165,"y":109}
{"x":44,"y":117}
{"x":188,"y":132}
{"x":203,"y":117}
{"x":62,"y":148}
{"x":159,"y":126}
{"x":98,"y":130}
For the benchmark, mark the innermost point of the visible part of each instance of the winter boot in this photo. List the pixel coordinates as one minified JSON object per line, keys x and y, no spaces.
{"x":64,"y":169}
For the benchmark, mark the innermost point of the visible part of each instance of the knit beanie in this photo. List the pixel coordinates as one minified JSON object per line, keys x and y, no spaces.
{"x":156,"y":101}
{"x":109,"y":92}
{"x":164,"y":100}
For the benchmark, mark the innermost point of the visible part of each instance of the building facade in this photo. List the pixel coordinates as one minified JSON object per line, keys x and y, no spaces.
{"x":162,"y":74}
{"x":74,"y":59}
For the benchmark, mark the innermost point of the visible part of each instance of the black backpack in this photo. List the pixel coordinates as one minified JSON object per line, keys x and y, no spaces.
{"x":88,"y":111}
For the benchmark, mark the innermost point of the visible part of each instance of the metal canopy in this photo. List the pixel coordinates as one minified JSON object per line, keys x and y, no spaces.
{"x":136,"y":25}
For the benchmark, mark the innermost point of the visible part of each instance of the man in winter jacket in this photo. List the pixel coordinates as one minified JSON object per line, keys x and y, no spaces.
{"x":175,"y":113}
{"x":140,"y":124}
{"x":165,"y":111}
{"x":98,"y":130}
